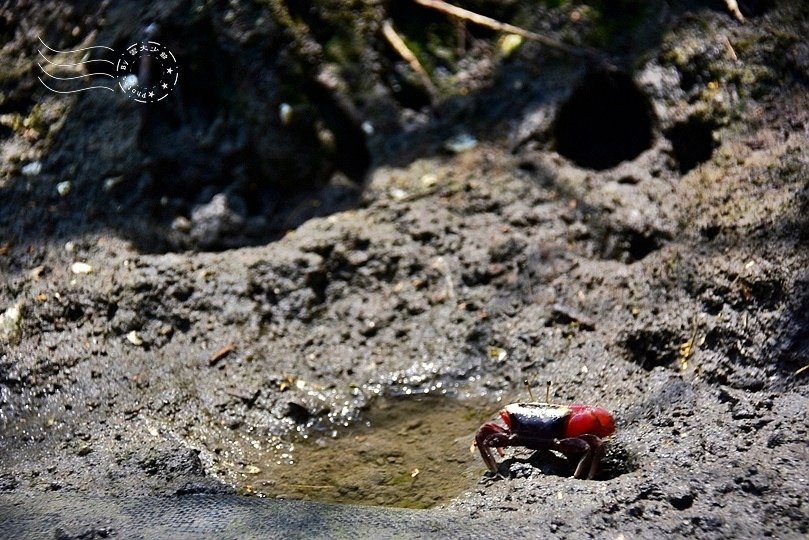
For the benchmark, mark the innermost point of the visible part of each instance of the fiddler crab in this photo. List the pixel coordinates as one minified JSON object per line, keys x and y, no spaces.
{"x":577,"y":431}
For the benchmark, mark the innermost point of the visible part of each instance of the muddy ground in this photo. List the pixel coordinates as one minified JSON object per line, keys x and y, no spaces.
{"x":378,"y":271}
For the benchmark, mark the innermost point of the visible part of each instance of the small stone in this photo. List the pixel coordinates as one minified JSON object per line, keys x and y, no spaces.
{"x":509,"y":44}
{"x":398,"y":194}
{"x":83,"y":451}
{"x":460,"y":143}
{"x":81,"y":268}
{"x":111,"y":183}
{"x":181,"y":224}
{"x":221,"y":217}
{"x":252,"y":469}
{"x":429,"y":180}
{"x":32,"y":169}
{"x":63,"y":188}
{"x":133,"y":338}
{"x":11,"y":324}
{"x":70,"y":247}
{"x":497,"y":354}
{"x":285,"y":114}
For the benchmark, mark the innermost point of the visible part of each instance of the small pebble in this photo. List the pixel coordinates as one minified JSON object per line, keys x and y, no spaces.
{"x":285,"y":114}
{"x":461,"y":143}
{"x":133,"y":338}
{"x":509,"y":44}
{"x":181,"y":224}
{"x":63,"y":188}
{"x":398,"y":194}
{"x":110,"y":183}
{"x":11,"y":324}
{"x":32,"y":169}
{"x":70,"y":247}
{"x":81,"y":268}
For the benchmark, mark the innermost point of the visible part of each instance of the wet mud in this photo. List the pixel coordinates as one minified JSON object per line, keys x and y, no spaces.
{"x":208,"y":299}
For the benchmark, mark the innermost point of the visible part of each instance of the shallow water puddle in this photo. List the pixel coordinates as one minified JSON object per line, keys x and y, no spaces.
{"x":410,"y":453}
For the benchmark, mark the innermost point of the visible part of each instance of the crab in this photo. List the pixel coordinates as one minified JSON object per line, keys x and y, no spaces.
{"x":577,"y":431}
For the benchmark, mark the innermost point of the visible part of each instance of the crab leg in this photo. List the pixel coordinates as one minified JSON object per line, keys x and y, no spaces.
{"x":489,"y":436}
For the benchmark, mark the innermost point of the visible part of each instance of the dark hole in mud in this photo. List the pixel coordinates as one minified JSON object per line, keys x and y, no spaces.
{"x":411,"y":452}
{"x":710,"y":232}
{"x":606,"y":120}
{"x":631,"y":246}
{"x":692,"y":142}
{"x":650,"y":349}
{"x":616,"y":462}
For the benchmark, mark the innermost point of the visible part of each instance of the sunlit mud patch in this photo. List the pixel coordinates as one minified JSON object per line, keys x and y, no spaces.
{"x":411,"y":453}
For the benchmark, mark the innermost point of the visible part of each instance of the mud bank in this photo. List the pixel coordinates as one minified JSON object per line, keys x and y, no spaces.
{"x":633,"y":231}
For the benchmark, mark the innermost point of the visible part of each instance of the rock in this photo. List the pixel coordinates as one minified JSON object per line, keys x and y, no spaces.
{"x":134,"y":338}
{"x":32,"y":169}
{"x":212,"y":222}
{"x":63,"y":188}
{"x":11,"y":324}
{"x":81,"y":268}
{"x":460,"y":143}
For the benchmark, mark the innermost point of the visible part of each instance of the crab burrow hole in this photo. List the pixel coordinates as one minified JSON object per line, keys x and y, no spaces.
{"x":606,"y":120}
{"x":692,"y":142}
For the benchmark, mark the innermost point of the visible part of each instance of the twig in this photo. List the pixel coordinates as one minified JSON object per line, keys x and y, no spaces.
{"x":221,"y":353}
{"x":494,"y":24}
{"x":733,"y":7}
{"x":729,"y":48}
{"x":401,"y":47}
{"x":801,"y":370}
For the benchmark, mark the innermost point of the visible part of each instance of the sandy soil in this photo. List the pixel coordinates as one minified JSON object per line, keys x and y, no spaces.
{"x":633,"y":231}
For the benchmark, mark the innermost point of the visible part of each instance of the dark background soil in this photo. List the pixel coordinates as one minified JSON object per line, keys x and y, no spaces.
{"x":631,"y":227}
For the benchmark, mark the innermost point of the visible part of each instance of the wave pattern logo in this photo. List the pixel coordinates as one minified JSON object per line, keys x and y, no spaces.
{"x":146,"y":71}
{"x":81,"y":68}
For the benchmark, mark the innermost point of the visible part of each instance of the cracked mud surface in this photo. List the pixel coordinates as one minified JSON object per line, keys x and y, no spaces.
{"x":670,"y":287}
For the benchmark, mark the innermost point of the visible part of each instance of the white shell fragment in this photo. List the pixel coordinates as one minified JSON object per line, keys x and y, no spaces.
{"x":81,"y":268}
{"x":133,"y":338}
